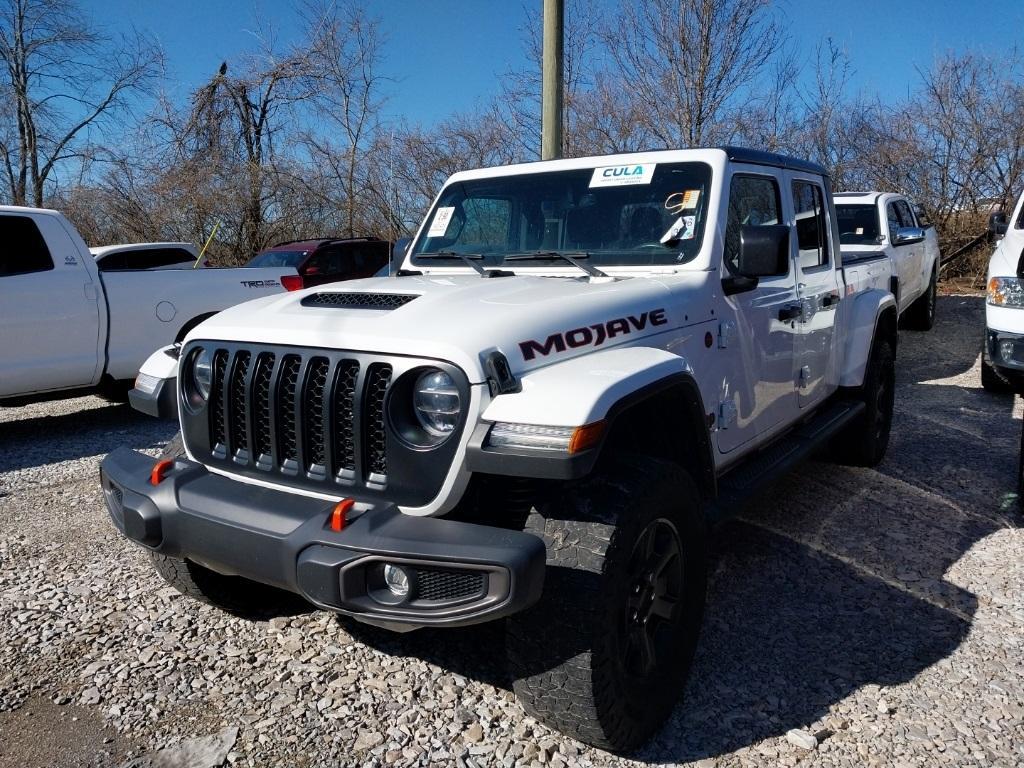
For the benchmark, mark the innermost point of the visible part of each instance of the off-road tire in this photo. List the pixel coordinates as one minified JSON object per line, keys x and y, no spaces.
{"x":991,"y":378}
{"x":234,"y":594}
{"x":569,"y":654}
{"x":920,"y":316}
{"x":864,"y":442}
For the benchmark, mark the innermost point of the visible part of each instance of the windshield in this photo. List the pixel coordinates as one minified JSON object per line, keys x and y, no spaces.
{"x":639,"y":214}
{"x":858,"y":225}
{"x":278,"y":259}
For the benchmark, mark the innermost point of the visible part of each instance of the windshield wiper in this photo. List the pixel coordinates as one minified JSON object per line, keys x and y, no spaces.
{"x":572,"y":258}
{"x":470,"y":259}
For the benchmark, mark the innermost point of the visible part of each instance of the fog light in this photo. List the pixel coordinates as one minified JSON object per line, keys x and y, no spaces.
{"x":396,"y":579}
{"x":1006,"y":351}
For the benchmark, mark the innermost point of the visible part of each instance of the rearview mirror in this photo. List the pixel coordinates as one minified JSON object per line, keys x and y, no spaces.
{"x":909,"y":235}
{"x":764,"y":251}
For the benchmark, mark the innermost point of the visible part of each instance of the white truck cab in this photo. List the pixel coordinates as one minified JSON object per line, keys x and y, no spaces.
{"x":886,"y":225}
{"x":580,"y":366}
{"x":69,"y":327}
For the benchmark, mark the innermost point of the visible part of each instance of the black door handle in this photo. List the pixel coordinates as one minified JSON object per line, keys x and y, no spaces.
{"x":792,"y":312}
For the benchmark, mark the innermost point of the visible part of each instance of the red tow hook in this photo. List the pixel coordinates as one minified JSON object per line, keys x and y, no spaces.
{"x":339,"y":515}
{"x":160,"y":470}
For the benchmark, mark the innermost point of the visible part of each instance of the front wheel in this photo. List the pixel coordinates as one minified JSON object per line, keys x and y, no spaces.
{"x":606,"y":652}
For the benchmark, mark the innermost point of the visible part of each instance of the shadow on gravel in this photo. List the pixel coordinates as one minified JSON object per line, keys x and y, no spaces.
{"x":40,"y":440}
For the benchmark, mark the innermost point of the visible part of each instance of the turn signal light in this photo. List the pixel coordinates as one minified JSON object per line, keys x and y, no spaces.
{"x":586,"y":437}
{"x":339,"y":515}
{"x":160,"y":470}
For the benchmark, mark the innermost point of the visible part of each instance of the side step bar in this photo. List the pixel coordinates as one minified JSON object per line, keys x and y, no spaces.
{"x":738,"y":486}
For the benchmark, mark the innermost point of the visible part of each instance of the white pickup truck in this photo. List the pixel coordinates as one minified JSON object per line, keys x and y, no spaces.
{"x":67,"y":328}
{"x":581,"y":366}
{"x":1002,"y":359}
{"x":884,"y":225}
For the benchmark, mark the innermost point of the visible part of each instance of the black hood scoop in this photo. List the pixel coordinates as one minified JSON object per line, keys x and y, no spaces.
{"x":382,"y":301}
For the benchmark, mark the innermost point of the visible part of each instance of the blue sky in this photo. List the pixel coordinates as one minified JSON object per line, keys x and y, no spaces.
{"x":445,"y":55}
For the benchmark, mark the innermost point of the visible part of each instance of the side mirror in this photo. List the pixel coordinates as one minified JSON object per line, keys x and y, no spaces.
{"x":998,"y":224}
{"x":908,"y":235}
{"x":764,"y":251}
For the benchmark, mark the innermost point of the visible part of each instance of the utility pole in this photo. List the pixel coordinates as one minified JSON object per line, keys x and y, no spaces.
{"x":551,"y":88}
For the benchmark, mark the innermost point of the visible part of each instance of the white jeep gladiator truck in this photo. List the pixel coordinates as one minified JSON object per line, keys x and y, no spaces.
{"x":885,"y":225}
{"x":69,"y":328}
{"x":581,"y":366}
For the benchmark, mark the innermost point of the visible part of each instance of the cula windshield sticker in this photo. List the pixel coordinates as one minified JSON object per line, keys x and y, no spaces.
{"x":442,"y":219}
{"x":623,"y":175}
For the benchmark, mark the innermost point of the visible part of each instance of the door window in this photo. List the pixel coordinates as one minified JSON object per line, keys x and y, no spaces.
{"x":905,"y":214}
{"x":753,"y":201}
{"x":894,"y":221}
{"x":811,"y":225}
{"x":24,"y":247}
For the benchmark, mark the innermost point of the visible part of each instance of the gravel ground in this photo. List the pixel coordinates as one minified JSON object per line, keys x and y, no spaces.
{"x":856,"y":617}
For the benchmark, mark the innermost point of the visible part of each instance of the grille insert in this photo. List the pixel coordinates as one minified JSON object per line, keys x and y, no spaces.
{"x":377,"y":381}
{"x":287,"y":444}
{"x":444,"y":585}
{"x":239,"y":400}
{"x":384,"y":301}
{"x":262,"y":443}
{"x":218,"y":397}
{"x":313,"y":412}
{"x":344,"y":417}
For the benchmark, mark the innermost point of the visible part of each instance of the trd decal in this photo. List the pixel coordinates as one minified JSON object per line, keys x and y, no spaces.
{"x":260,"y":283}
{"x":592,"y":335}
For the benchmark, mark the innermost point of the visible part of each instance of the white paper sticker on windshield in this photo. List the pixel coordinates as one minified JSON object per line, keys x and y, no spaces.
{"x":681,"y":230}
{"x":623,"y":175}
{"x":441,"y":221}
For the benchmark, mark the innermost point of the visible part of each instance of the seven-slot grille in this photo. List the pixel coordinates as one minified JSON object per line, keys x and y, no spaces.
{"x":300,"y":413}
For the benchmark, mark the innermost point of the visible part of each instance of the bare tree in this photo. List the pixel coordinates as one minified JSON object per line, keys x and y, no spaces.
{"x":63,"y":82}
{"x":344,"y":83}
{"x":689,"y":62}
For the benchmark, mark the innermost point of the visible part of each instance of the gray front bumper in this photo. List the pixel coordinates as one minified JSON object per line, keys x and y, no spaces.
{"x":460,"y":573}
{"x":1000,"y":342}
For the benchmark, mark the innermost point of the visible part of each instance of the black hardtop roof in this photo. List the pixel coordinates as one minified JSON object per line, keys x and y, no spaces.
{"x":759,"y":157}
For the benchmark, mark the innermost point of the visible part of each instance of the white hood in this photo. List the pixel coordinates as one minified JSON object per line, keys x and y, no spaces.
{"x":459,"y":318}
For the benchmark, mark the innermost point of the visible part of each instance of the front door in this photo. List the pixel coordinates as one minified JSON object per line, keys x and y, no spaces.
{"x":757,"y":392}
{"x":817,"y":290}
{"x":49,"y":309}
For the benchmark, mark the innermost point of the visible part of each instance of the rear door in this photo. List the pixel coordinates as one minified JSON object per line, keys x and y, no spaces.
{"x":757,"y":393}
{"x":49,"y":309}
{"x":817,"y":289}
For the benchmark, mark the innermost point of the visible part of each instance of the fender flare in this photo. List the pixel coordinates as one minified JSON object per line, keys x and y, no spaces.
{"x":584,"y":390}
{"x":866,"y":316}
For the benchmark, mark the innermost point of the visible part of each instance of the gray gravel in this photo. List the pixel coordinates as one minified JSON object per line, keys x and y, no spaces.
{"x":856,"y":617}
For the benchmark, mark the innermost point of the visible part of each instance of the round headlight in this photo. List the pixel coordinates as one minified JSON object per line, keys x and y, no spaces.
{"x":436,"y":403}
{"x":202,"y":372}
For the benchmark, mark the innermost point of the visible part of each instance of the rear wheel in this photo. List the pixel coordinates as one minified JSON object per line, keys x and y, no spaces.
{"x":864,"y":442}
{"x":606,"y":652}
{"x":920,"y":316}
